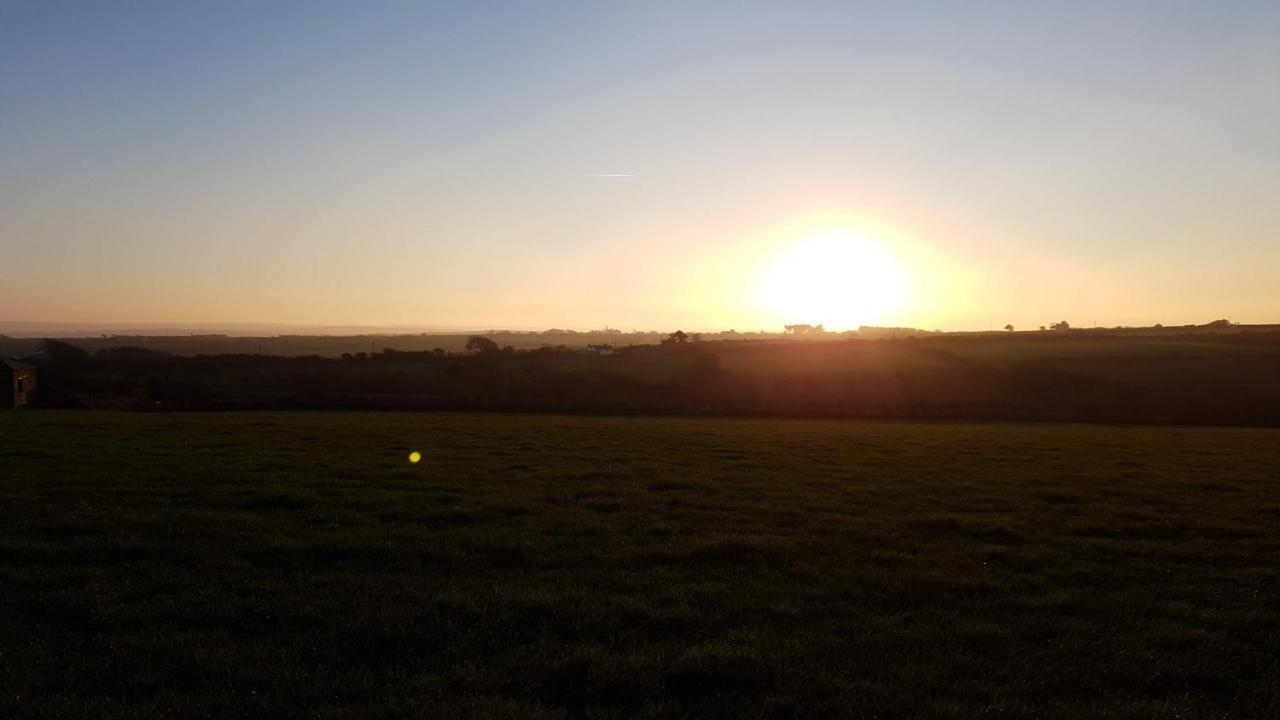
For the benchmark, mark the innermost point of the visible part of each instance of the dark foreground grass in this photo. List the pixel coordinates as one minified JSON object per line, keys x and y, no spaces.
{"x":297,"y":565}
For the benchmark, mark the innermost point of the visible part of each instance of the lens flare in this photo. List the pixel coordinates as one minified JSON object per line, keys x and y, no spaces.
{"x":415,"y":456}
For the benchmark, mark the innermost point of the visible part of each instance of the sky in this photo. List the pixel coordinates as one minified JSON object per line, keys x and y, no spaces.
{"x":645,"y":165}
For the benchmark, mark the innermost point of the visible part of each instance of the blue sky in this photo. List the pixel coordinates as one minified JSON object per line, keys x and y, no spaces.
{"x":432,"y":164}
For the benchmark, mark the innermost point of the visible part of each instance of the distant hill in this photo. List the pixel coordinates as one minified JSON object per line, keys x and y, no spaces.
{"x":17,"y":344}
{"x":1225,"y":375}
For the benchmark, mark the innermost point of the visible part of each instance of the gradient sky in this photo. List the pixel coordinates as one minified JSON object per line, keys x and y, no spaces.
{"x":436,"y":165}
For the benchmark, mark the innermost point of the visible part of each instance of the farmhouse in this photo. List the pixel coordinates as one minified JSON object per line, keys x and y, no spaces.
{"x":17,"y":383}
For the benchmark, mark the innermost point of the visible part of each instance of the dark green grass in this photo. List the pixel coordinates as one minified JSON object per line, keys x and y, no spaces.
{"x":297,"y":565}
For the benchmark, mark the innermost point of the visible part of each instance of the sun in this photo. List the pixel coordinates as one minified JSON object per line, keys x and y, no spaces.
{"x":837,"y":278}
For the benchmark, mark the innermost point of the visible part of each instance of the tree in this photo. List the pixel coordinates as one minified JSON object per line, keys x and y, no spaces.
{"x":65,"y":355}
{"x":482,"y":344}
{"x":678,"y":337}
{"x":1008,"y":328}
{"x":1060,"y":325}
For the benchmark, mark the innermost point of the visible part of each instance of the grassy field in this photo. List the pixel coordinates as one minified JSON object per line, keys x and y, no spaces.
{"x":226,"y":565}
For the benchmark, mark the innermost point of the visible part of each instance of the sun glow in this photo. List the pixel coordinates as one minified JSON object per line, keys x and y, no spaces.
{"x":836,"y":278}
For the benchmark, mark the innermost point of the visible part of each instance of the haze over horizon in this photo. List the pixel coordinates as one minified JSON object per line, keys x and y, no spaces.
{"x":705,"y":166}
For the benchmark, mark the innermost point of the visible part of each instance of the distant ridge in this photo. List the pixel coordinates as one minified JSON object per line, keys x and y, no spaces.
{"x":30,"y":328}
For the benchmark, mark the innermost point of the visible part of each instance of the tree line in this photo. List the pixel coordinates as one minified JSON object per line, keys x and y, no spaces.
{"x":1238,"y":382}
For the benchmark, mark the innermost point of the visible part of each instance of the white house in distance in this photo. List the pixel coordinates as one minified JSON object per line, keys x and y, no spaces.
{"x":598,"y":350}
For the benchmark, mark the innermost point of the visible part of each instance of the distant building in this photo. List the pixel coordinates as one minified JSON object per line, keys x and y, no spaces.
{"x":17,"y":383}
{"x":598,"y":350}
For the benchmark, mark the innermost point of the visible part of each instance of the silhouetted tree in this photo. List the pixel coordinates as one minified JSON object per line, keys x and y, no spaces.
{"x":482,"y":344}
{"x":61,"y":354}
{"x":678,"y":337}
{"x":1060,"y":325}
{"x":1009,"y":328}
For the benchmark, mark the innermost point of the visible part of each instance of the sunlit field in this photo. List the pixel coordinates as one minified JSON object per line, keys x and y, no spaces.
{"x":272,"y":565}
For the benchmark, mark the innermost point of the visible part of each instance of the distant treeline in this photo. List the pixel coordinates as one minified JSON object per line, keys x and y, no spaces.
{"x":1227,"y":378}
{"x":337,"y":345}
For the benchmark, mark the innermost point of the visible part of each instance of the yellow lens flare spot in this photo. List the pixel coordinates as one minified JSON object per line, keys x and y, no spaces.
{"x":415,"y":456}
